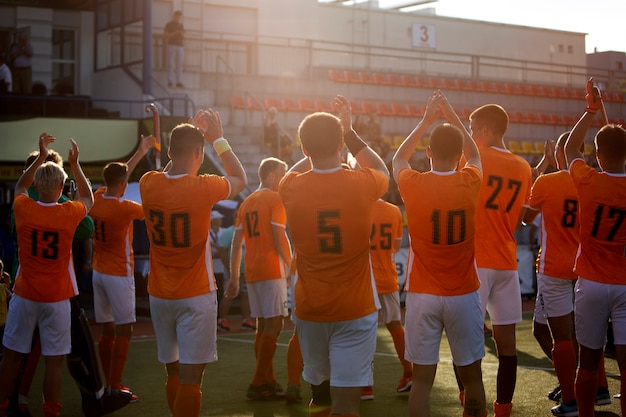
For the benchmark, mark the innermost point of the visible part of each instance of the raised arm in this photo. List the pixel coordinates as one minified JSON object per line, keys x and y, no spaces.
{"x":364,"y":155}
{"x":577,"y":136}
{"x":470,"y":150}
{"x":82,"y":184}
{"x":26,"y":179}
{"x":548,"y":159}
{"x":405,"y":151}
{"x":210,"y":123}
{"x":145,"y":143}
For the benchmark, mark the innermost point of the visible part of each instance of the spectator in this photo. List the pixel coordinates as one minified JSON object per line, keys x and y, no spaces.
{"x":20,"y":60}
{"x":174,"y":38}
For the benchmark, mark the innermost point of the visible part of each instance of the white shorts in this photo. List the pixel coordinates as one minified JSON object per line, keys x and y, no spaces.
{"x":113,"y":298}
{"x":268,"y":298}
{"x":500,"y":295}
{"x":595,"y":304}
{"x":342,"y":351}
{"x":53,"y":320}
{"x":390,"y":307}
{"x":555,"y":297}
{"x":428,"y":315}
{"x":186,"y":328}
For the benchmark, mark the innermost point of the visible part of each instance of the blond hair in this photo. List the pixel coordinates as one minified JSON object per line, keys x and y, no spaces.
{"x":49,"y":177}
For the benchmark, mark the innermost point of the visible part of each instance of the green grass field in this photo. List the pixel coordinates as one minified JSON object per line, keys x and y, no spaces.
{"x":226,"y":381}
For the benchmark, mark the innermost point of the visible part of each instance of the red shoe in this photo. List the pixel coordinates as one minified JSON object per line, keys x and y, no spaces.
{"x":405,"y":384}
{"x":367,"y":393}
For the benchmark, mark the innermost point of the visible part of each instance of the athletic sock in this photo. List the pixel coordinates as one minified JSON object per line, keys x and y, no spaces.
{"x":294,"y":361}
{"x":507,"y":375}
{"x":502,"y":410}
{"x":319,"y":410}
{"x":586,"y":389}
{"x":188,"y":401}
{"x":267,"y":347}
{"x":118,"y":360}
{"x":51,"y":409}
{"x":397,"y":334}
{"x":602,"y":381}
{"x":105,"y":348}
{"x":564,"y":360}
{"x":171,"y":389}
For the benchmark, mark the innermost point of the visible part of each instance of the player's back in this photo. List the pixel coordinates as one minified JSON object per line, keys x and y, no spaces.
{"x":45,"y":232}
{"x":386,"y":228}
{"x":177,"y":214}
{"x":113,"y":233}
{"x":256,"y":216}
{"x":555,"y":196}
{"x":329,"y":216}
{"x":505,"y":189}
{"x":602,"y":251}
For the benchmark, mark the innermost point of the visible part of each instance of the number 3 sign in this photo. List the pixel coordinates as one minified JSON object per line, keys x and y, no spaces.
{"x":424,"y":35}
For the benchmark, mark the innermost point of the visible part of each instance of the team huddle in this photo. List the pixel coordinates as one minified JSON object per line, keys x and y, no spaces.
{"x":461,"y":218}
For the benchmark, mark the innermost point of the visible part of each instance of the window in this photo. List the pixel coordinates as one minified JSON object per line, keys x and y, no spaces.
{"x":119,"y":31}
{"x":570,"y":49}
{"x":620,"y":65}
{"x":64,"y":61}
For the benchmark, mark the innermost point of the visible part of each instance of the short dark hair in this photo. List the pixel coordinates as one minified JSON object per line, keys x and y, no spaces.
{"x":493,"y":115}
{"x":269,"y":165}
{"x":115,"y":173}
{"x":611,"y":142}
{"x":321,"y":134}
{"x":446,"y":141}
{"x":185,"y":138}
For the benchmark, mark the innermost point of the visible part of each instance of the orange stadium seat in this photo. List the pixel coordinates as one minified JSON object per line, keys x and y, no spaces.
{"x":290,"y":105}
{"x":542,"y":91}
{"x":238,"y":102}
{"x":383,"y":109}
{"x":365,"y":77}
{"x":380,"y":79}
{"x":306,"y":105}
{"x":434,"y":83}
{"x":530,"y":89}
{"x":395,"y":79}
{"x":577,"y":93}
{"x":351,"y":77}
{"x":409,"y":81}
{"x":321,"y":105}
{"x":367,"y":107}
{"x":447,"y":84}
{"x":399,"y":110}
{"x":273,"y":102}
{"x":544,"y":118}
{"x":460,"y":84}
{"x":472,"y":85}
{"x":414,"y":111}
{"x":254,"y":103}
{"x":516,"y":117}
{"x":336,"y":76}
{"x":356,"y":107}
{"x":530,"y":117}
{"x":556,"y":119}
{"x":422,"y":82}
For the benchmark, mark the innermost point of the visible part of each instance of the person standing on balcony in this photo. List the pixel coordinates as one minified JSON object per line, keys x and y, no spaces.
{"x":20,"y":59}
{"x":174,"y":37}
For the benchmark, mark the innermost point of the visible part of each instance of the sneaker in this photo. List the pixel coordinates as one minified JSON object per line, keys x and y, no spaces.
{"x":263,"y":392}
{"x":367,"y":393}
{"x":292,"y":395}
{"x":278,"y":390}
{"x":248,"y":324}
{"x":603,"y":397}
{"x":555,"y":394}
{"x":405,"y":384}
{"x":565,"y":410}
{"x":112,"y":400}
{"x":222,"y":324}
{"x":133,"y":398}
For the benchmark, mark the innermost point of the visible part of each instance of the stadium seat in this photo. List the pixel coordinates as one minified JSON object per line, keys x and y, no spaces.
{"x":273,"y":102}
{"x":365,"y":77}
{"x":528,"y":148}
{"x":447,"y":84}
{"x":514,"y":146}
{"x":380,"y":78}
{"x":461,"y":85}
{"x":530,"y":117}
{"x":387,"y":140}
{"x":399,"y":110}
{"x":409,"y":81}
{"x":607,"y":96}
{"x":254,"y":103}
{"x":565,"y":92}
{"x":351,"y":77}
{"x":499,"y":87}
{"x":397,"y":141}
{"x":306,"y":105}
{"x":544,"y":118}
{"x":554,"y":92}
{"x":472,"y":85}
{"x":619,"y":97}
{"x":540,"y":147}
{"x":336,"y":76}
{"x":367,"y":107}
{"x":589,"y":149}
{"x":422,"y":82}
{"x":516,"y":117}
{"x":356,"y":107}
{"x":238,"y":102}
{"x":597,"y":121}
{"x":556,"y":119}
{"x":434,"y":83}
{"x":514,"y":89}
{"x":530,"y":90}
{"x":290,"y":105}
{"x":542,"y":91}
{"x":383,"y":109}
{"x":322,"y":105}
{"x":420,"y":145}
{"x":577,"y":93}
{"x":395,"y":79}
{"x":487,"y":87}
{"x":464,"y":114}
{"x":426,"y":141}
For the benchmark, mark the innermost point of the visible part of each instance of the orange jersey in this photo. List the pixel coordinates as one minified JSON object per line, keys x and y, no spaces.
{"x":329,"y":215}
{"x":505,"y":190}
{"x":256,"y":216}
{"x":602,"y":251}
{"x":44,"y":236}
{"x":555,"y":196}
{"x":441,"y":212}
{"x":386,"y":230}
{"x":177,"y":210}
{"x":113,"y":234}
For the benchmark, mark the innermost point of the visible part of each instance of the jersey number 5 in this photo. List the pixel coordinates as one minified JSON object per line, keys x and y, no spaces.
{"x":332,"y":243}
